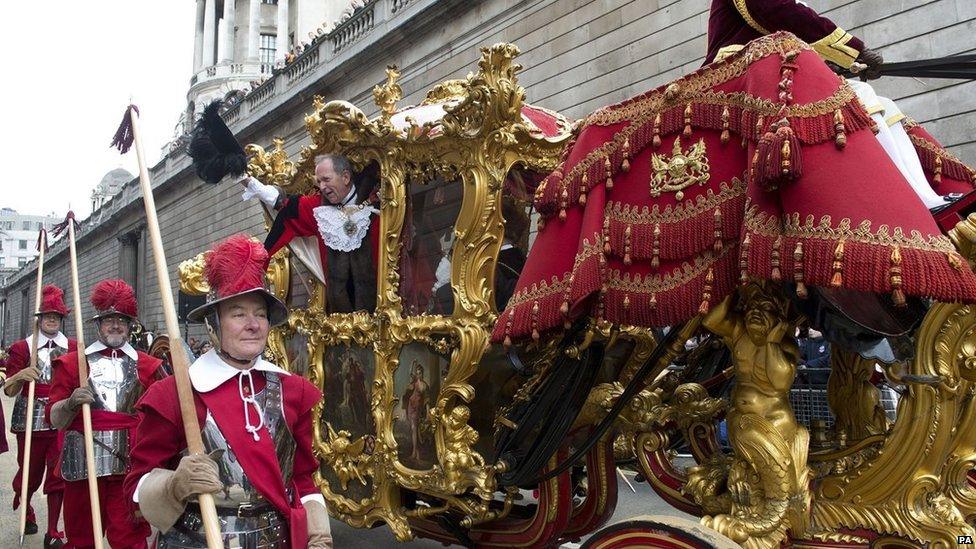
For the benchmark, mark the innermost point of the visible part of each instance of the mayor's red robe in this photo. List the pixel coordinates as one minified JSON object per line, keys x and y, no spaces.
{"x":737,"y":22}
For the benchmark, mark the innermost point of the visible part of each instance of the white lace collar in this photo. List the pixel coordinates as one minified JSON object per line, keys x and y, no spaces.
{"x":127,"y":349}
{"x":42,"y":340}
{"x":209,"y":372}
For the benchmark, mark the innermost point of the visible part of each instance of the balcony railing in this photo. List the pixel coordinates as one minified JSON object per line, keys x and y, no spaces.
{"x":355,"y":27}
{"x":231,"y":70}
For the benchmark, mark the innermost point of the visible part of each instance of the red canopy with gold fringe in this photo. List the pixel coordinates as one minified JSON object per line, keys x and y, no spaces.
{"x":763,"y":165}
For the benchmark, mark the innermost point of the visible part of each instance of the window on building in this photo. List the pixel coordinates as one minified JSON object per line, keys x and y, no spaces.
{"x":273,"y":2}
{"x":22,"y":245}
{"x":268,"y":48}
{"x":25,"y":225}
{"x":21,"y":261}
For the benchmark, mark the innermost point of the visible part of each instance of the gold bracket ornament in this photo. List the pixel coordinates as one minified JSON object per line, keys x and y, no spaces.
{"x":680,"y":171}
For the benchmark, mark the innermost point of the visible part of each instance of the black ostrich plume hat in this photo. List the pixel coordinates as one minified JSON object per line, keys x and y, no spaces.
{"x":214,"y":149}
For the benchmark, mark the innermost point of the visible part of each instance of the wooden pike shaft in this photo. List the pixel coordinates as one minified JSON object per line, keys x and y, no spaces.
{"x":28,"y":429}
{"x":194,"y":442}
{"x":83,"y":382}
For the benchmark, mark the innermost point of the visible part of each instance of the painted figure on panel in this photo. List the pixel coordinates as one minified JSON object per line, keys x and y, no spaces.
{"x":415,"y":400}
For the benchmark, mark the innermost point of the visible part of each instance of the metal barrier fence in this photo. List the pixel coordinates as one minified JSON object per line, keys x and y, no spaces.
{"x":808,"y":397}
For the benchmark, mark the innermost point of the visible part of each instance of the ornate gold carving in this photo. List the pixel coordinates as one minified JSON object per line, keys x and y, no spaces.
{"x":192,"y":279}
{"x":272,"y":168}
{"x":680,"y":171}
{"x":768,"y":475}
{"x":347,"y":458}
{"x":853,"y":399}
{"x":387,"y":95}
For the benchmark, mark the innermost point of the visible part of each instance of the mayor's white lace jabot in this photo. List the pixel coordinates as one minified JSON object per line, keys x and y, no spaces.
{"x":343,"y":229}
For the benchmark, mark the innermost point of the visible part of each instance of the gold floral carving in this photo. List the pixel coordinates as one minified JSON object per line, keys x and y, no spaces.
{"x":679,"y":171}
{"x":387,"y":95}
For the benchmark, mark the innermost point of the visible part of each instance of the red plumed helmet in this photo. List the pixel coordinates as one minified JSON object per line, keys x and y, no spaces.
{"x":114,"y":297}
{"x":52,"y":300}
{"x":234,"y":267}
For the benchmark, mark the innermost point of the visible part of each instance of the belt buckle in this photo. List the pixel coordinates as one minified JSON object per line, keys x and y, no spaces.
{"x":244,"y":509}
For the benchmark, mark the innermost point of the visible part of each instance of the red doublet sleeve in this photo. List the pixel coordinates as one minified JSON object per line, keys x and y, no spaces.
{"x":300,"y":397}
{"x":64,"y":380}
{"x":18,"y":357}
{"x":295,"y":218}
{"x":149,"y":368}
{"x":831,"y":42}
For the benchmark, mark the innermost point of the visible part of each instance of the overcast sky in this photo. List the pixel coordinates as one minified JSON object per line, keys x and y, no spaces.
{"x":77,"y":65}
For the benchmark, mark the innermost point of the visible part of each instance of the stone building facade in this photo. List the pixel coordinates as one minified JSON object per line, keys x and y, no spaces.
{"x":578,"y":55}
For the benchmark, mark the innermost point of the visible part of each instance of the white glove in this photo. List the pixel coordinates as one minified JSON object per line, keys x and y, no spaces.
{"x":254,"y":188}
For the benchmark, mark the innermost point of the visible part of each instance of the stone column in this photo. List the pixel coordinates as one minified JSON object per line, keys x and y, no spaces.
{"x":230,"y":22}
{"x":198,"y":38}
{"x":253,"y":30}
{"x":281,"y":44}
{"x":221,"y":40}
{"x":209,"y":32}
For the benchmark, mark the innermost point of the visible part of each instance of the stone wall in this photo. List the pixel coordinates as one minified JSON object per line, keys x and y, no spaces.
{"x":578,"y":55}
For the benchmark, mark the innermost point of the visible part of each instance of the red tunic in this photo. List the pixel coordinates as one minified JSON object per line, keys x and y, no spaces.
{"x":740,"y":21}
{"x":19,"y":358}
{"x":160,"y":439}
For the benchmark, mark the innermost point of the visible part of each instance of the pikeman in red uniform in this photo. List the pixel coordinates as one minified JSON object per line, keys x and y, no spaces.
{"x":43,"y":462}
{"x":118,"y":375}
{"x":256,"y":422}
{"x":733,"y":23}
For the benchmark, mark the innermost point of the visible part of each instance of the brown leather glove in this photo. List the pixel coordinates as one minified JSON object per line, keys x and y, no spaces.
{"x":81,"y":395}
{"x":873,"y":60}
{"x":196,"y":474}
{"x":64,"y":412}
{"x":16,"y":381}
{"x":319,"y":529}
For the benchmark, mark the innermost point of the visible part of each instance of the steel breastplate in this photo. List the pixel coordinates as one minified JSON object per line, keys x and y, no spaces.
{"x":260,"y":530}
{"x":18,"y":417}
{"x":114,"y":382}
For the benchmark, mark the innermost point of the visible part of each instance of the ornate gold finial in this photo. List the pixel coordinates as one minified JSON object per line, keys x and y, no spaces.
{"x":387,"y":95}
{"x":192,"y":280}
{"x":272,"y":168}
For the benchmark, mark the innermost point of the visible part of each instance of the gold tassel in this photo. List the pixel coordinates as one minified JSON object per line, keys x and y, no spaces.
{"x":744,"y":260}
{"x":955,"y":261}
{"x":687,"y":132}
{"x":626,"y":302}
{"x":707,"y":292}
{"x":785,"y":156}
{"x":837,"y":280}
{"x":625,"y":150}
{"x":656,"y":247}
{"x":627,"y":246}
{"x":897,"y":294}
{"x":840,"y":135}
{"x":760,"y":126}
{"x":540,"y":224}
{"x":563,"y":199}
{"x":717,"y":246}
{"x":601,"y":306}
{"x":656,"y":141}
{"x":606,"y":235}
{"x":652,"y":304}
{"x":535,"y":321}
{"x":584,"y":187}
{"x":801,"y":288}
{"x":937,"y":178}
{"x":774,"y":260}
{"x":725,"y":125}
{"x":608,"y":169}
{"x":508,"y":329}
